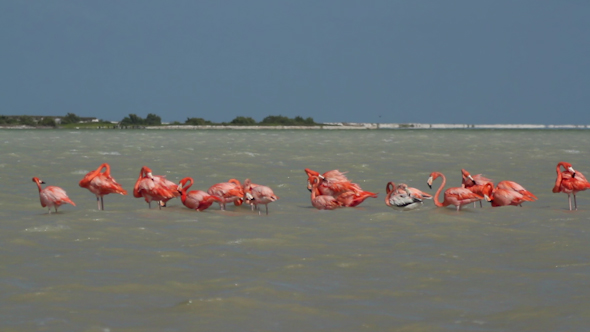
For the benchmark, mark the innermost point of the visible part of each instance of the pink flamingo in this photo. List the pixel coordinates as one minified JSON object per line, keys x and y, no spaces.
{"x":404,"y":197}
{"x":352,"y":199}
{"x":474,"y":183}
{"x":332,"y":182}
{"x":52,"y":196}
{"x":501,"y":196}
{"x":151,"y":188}
{"x":322,"y":202}
{"x":569,"y":182}
{"x":230,"y":191}
{"x":101,"y":184}
{"x":195,"y":199}
{"x":453,"y":196}
{"x":262,"y":195}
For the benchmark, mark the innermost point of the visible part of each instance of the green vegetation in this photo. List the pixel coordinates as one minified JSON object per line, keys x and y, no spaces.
{"x":197,"y":122}
{"x":271,"y":120}
{"x":73,"y":121}
{"x":280,"y":120}
{"x":70,"y":118}
{"x":133,"y":120}
{"x":242,"y":120}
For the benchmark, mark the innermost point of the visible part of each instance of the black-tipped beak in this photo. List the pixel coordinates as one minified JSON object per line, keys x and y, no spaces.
{"x":429,"y":186}
{"x":574,"y":175}
{"x":42,"y":182}
{"x":309,"y":189}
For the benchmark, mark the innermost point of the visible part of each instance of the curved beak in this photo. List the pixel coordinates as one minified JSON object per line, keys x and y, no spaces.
{"x":429,"y":182}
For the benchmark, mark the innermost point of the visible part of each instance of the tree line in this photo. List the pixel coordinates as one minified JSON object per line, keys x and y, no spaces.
{"x":133,"y":120}
{"x":271,"y":120}
{"x":45,"y":121}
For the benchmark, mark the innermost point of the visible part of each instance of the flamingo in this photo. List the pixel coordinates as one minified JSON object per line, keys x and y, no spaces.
{"x":152,"y":188}
{"x":569,"y":182}
{"x":262,"y":195}
{"x":505,"y":194}
{"x":52,"y":196}
{"x":332,"y":183}
{"x":230,"y":191}
{"x":513,"y":186}
{"x":474,"y":183}
{"x":322,"y":202}
{"x":403,"y":197}
{"x":195,"y":199}
{"x":101,"y":184}
{"x":453,"y":196}
{"x":351,"y":199}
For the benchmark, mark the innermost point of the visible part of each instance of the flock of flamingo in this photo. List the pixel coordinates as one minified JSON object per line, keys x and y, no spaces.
{"x":329,"y":191}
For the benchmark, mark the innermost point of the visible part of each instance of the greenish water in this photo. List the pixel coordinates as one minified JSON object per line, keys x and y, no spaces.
{"x":368,"y":268}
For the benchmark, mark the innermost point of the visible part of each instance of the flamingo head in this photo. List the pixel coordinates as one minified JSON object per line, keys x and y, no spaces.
{"x":311,"y":174}
{"x":567,"y":166}
{"x":37,"y":180}
{"x":488,"y":190}
{"x":466,"y":174}
{"x":433,"y":176}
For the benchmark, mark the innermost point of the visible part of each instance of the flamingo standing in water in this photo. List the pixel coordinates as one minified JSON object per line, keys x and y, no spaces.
{"x":195,"y":199}
{"x":453,"y":196}
{"x":152,"y":188}
{"x":569,"y":182}
{"x":404,"y":197}
{"x":507,"y":193}
{"x":322,"y":202}
{"x":259,"y":195}
{"x":332,"y":182}
{"x":230,"y":191}
{"x":474,"y":183}
{"x":352,"y":199}
{"x":101,"y":184}
{"x":52,"y":196}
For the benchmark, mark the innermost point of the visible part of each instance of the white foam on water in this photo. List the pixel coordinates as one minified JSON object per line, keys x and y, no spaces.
{"x":47,"y":228}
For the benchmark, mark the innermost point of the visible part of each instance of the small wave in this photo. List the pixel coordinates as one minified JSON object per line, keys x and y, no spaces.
{"x":81,"y":171}
{"x":115,"y":153}
{"x":571,"y":151}
{"x":48,"y":228}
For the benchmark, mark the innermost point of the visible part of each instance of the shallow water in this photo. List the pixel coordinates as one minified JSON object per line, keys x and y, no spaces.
{"x":368,"y":268}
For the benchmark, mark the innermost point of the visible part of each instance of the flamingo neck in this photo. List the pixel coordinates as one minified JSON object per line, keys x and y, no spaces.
{"x":107,"y":171}
{"x":389,"y":189}
{"x":436,"y":200}
{"x":556,"y":187}
{"x":185,"y":187}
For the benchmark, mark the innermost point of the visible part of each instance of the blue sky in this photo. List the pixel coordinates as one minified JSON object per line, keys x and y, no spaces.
{"x":386,"y":61}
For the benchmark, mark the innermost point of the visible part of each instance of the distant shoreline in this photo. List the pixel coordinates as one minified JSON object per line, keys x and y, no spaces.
{"x":330,"y":126}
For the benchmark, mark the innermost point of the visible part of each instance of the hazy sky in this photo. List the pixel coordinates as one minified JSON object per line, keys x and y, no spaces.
{"x":334,"y":60}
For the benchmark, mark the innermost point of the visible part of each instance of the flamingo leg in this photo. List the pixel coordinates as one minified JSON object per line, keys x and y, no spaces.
{"x":150,"y":204}
{"x":458,"y":208}
{"x":49,"y":209}
{"x":101,"y":203}
{"x":266,"y":209}
{"x":569,"y":198}
{"x":98,"y":202}
{"x":575,"y":203}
